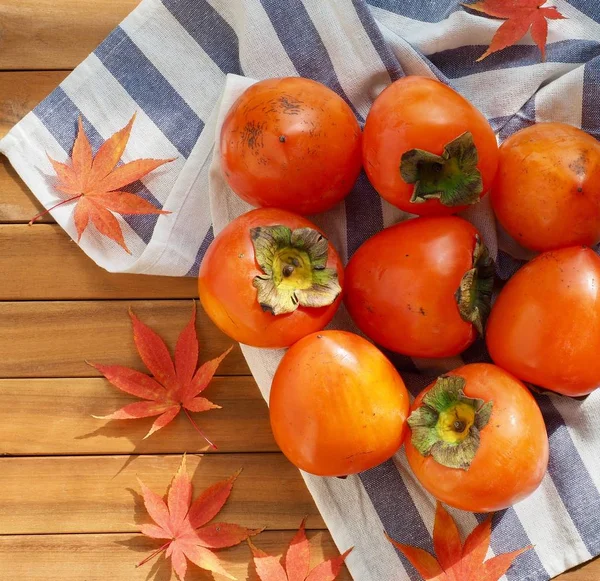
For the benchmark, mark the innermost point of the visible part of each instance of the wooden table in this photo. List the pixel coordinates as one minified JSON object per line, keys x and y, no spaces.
{"x":69,"y":503}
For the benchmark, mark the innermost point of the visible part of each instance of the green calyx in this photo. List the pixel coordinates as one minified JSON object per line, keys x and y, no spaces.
{"x":474,"y":295}
{"x":452,"y":178}
{"x":294,"y":267}
{"x":447,"y":425}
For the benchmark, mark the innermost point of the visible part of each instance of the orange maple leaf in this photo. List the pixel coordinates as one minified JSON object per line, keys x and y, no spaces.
{"x":184,"y":524}
{"x":457,"y":562}
{"x":175,"y":386}
{"x":297,"y":562}
{"x":95,"y":183}
{"x":520,"y":15}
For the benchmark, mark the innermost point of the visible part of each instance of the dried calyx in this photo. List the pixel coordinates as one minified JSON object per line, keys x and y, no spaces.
{"x":452,"y":178}
{"x":447,"y":425}
{"x":294,"y":267}
{"x":474,"y":295}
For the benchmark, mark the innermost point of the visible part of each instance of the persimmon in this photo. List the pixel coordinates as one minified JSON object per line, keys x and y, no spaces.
{"x":545,"y":325}
{"x":422,"y":287}
{"x":547,"y":190}
{"x":426,"y":149}
{"x":477,"y":439}
{"x":269,"y":278}
{"x":337,"y":405}
{"x":291,"y":143}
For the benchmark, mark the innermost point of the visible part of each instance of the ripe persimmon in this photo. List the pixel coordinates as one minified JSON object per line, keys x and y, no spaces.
{"x":477,"y":439}
{"x":269,"y":278}
{"x":337,"y":405}
{"x":426,"y":149}
{"x":291,"y":143}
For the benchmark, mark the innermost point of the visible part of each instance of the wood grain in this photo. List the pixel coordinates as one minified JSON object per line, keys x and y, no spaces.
{"x":98,"y":494}
{"x":588,"y":572}
{"x":55,"y":34}
{"x":54,"y":339}
{"x":54,"y":416}
{"x":17,"y":203}
{"x":113,"y":556}
{"x":41,"y":262}
{"x":21,"y":91}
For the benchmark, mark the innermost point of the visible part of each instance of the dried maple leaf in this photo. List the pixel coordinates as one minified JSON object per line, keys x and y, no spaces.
{"x":175,"y":386}
{"x":184,"y":524}
{"x":95,"y":182}
{"x":456,"y":562}
{"x":520,"y":15}
{"x":297,"y":562}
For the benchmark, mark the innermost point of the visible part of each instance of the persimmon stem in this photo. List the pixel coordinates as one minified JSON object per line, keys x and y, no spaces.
{"x":157,"y":552}
{"x":198,"y":429}
{"x":35,"y":218}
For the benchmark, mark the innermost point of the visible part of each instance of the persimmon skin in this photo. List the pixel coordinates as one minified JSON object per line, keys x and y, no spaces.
{"x":513,"y":453}
{"x":420,"y":113}
{"x":337,"y":405}
{"x":229,"y":298}
{"x":401,"y":284}
{"x":545,"y":325}
{"x":547,"y":190}
{"x":291,"y":143}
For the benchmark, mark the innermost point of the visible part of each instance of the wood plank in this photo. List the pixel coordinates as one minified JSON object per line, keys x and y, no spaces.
{"x":54,"y":417}
{"x":587,"y":572}
{"x":55,"y":339}
{"x":113,"y":556}
{"x":98,"y":494}
{"x":17,"y":203}
{"x":57,"y":34}
{"x":21,"y":91}
{"x":45,"y":264}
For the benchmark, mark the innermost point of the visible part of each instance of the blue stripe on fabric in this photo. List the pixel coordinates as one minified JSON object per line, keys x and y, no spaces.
{"x":476,"y":353}
{"x":151,"y":91}
{"x":571,"y":478}
{"x":364,"y":216}
{"x":430,"y":11}
{"x":304,"y":46}
{"x":587,"y":7}
{"x":461,"y":61}
{"x":59,"y":115}
{"x":208,"y":28}
{"x":590,"y":119}
{"x":509,"y":535}
{"x":388,"y":58}
{"x":524,"y":117}
{"x":506,"y":265}
{"x":396,"y":510}
{"x":210,"y":236}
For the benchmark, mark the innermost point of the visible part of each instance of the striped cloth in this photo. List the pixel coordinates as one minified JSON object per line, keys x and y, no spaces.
{"x":180,"y":64}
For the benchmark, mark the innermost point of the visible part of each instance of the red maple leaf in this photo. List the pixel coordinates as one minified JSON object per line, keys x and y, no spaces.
{"x":175,"y":386}
{"x":184,"y":524}
{"x":457,"y":562}
{"x":521,"y":16}
{"x":95,"y":183}
{"x":297,"y":562}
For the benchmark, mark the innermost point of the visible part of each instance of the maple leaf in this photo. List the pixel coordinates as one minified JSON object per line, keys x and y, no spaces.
{"x":521,"y":16}
{"x":297,"y":562}
{"x":457,"y":562}
{"x":176,"y":385}
{"x":184,"y":524}
{"x":95,"y":184}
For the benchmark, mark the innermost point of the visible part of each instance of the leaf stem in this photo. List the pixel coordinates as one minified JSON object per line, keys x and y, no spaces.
{"x":157,"y":552}
{"x":35,"y":218}
{"x":198,"y":429}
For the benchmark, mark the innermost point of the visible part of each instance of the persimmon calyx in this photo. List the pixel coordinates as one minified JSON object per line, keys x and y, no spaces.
{"x":447,"y":425}
{"x":474,"y":294}
{"x":452,"y":178}
{"x":294,"y":266}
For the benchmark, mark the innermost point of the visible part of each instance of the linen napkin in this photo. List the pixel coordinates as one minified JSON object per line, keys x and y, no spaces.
{"x":181,"y":63}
